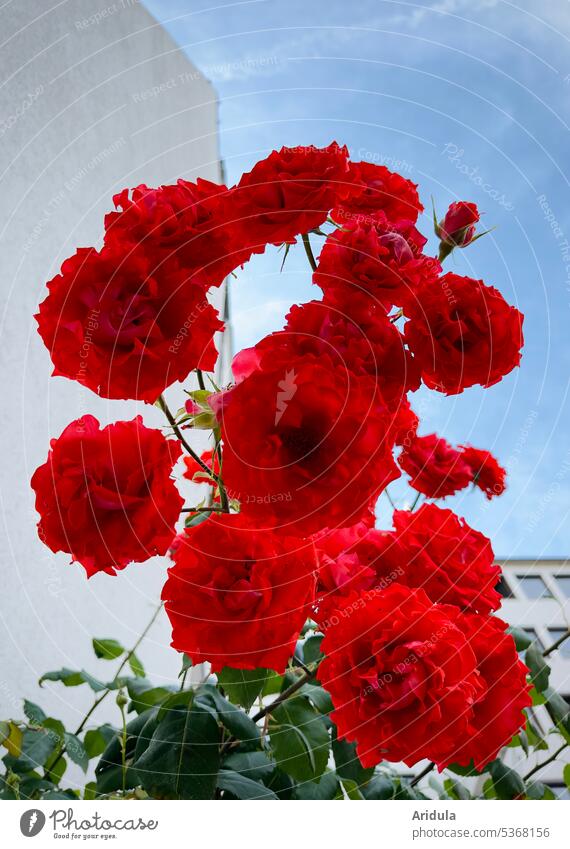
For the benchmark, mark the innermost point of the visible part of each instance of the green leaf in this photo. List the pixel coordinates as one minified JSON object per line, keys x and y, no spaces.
{"x":90,"y":791}
{"x":13,"y":739}
{"x":109,"y":770}
{"x":312,"y":649}
{"x":538,"y":791}
{"x":468,"y":771}
{"x":327,"y":787}
{"x":242,"y":787}
{"x":559,"y":711}
{"x":347,"y":763}
{"x":68,"y":677}
{"x":72,"y":678}
{"x":299,"y":739}
{"x":539,"y":669}
{"x":107,"y":649}
{"x":242,"y":686}
{"x":143,"y":696}
{"x":254,"y":765}
{"x":456,"y":790}
{"x":182,"y":758}
{"x":566,"y":775}
{"x":489,"y":789}
{"x":136,"y":666}
{"x":379,"y":787}
{"x":97,"y":739}
{"x":508,"y":784}
{"x":273,"y":684}
{"x":521,"y":638}
{"x":186,"y":665}
{"x":34,"y":713}
{"x":235,"y":720}
{"x":352,"y":790}
{"x":319,"y":697}
{"x":76,"y":751}
{"x":37,"y":746}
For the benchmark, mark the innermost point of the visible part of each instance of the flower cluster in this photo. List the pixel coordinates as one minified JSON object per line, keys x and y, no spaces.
{"x":304,"y":442}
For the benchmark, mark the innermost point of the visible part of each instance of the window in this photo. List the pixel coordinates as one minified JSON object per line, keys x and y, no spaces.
{"x":564,"y":649}
{"x":503,"y":587}
{"x":533,"y":587}
{"x":563,"y":584}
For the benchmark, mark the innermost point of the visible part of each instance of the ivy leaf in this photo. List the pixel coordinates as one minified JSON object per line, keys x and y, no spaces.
{"x":242,"y":686}
{"x":107,"y":649}
{"x":242,"y":787}
{"x":299,"y":739}
{"x":76,"y":751}
{"x":539,"y":669}
{"x":182,"y":758}
{"x":507,"y":783}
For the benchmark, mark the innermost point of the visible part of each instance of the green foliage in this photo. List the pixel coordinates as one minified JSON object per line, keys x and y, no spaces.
{"x":190,"y":741}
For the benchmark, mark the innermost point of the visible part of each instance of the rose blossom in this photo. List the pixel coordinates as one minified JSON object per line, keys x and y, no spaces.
{"x":435,"y":468}
{"x":123,"y":328}
{"x":304,"y":446}
{"x":488,"y":475}
{"x":457,"y":229}
{"x":106,"y":496}
{"x":237,"y":596}
{"x":288,"y":193}
{"x":376,"y":258}
{"x":402,"y":676}
{"x":463,"y":333}
{"x":378,"y":190}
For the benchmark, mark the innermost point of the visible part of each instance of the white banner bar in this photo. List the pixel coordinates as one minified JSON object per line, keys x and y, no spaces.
{"x":397,"y":825}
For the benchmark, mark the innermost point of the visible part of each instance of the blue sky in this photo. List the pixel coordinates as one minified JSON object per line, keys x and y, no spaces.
{"x":470,"y":99}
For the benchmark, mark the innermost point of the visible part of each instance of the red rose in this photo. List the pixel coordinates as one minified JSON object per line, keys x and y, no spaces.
{"x":370,"y":346}
{"x":435,"y":468}
{"x":487,"y":474}
{"x":123,"y":328}
{"x":305,"y":446}
{"x":185,"y":220}
{"x":405,"y":424}
{"x":238,"y":597}
{"x":401,"y":675}
{"x":379,"y":259}
{"x":106,"y":496}
{"x":462,"y":333}
{"x":498,"y":713}
{"x":288,"y":193}
{"x":457,"y":229}
{"x":440,"y":553}
{"x":376,"y":189}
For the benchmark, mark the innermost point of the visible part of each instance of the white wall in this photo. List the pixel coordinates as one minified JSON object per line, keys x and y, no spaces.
{"x":94,"y":96}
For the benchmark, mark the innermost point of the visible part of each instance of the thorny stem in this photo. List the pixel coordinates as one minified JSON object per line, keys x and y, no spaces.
{"x":422,"y":774}
{"x":309,"y":251}
{"x":549,"y":760}
{"x":212,"y":509}
{"x":555,"y":645}
{"x":172,"y":422}
{"x":415,"y":501}
{"x":200,"y":377}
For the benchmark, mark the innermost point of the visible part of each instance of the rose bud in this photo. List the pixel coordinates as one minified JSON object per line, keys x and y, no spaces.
{"x":457,"y":228}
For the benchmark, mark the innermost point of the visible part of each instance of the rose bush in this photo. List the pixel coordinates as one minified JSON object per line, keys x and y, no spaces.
{"x":361,"y":646}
